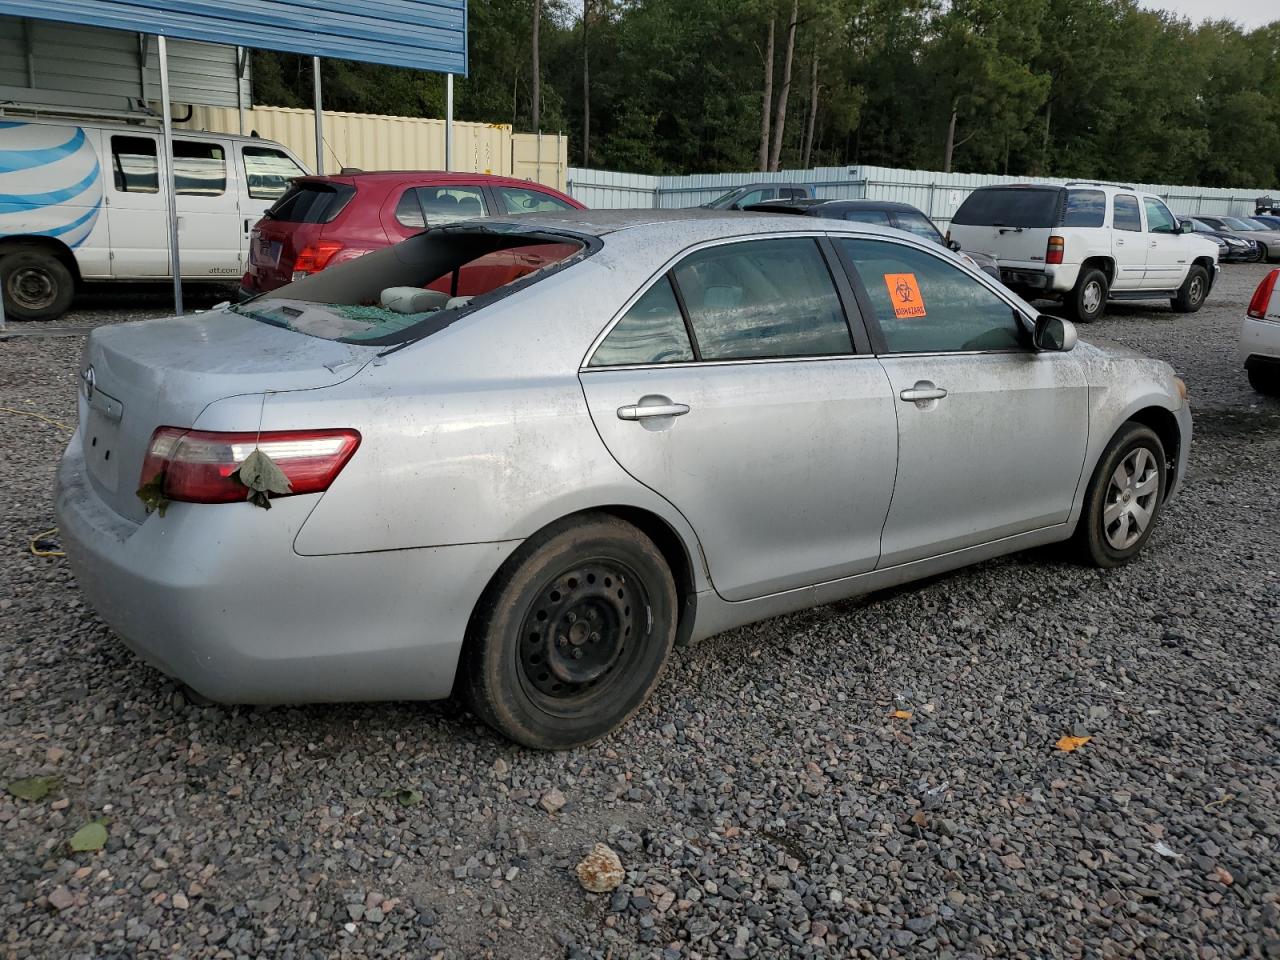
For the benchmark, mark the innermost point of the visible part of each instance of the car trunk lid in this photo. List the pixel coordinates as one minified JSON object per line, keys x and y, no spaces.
{"x":136,"y":377}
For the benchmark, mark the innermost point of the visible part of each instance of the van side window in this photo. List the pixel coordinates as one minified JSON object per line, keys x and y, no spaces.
{"x":134,"y":165}
{"x":199,"y":168}
{"x":1127,"y":216}
{"x":268,"y":172}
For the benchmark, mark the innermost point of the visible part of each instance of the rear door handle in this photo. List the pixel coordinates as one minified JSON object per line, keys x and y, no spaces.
{"x":644,"y":411}
{"x":1119,"y":243}
{"x":923,"y":390}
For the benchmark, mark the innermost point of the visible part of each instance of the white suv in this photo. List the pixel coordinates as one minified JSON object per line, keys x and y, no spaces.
{"x":1087,"y":243}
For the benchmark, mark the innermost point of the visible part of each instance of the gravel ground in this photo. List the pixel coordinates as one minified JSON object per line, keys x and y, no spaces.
{"x":767,"y":803}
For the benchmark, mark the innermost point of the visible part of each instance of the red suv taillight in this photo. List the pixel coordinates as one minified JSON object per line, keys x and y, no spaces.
{"x":195,"y":466}
{"x":1262,"y":296}
{"x":1053,"y":252}
{"x":314,"y":257}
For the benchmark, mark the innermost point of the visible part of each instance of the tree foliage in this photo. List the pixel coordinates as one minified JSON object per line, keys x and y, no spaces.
{"x":1090,"y":88}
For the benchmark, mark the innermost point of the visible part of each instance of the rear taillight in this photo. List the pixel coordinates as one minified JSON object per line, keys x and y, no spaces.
{"x":314,"y":257}
{"x":1053,"y":252}
{"x":1262,"y":296}
{"x":195,"y":466}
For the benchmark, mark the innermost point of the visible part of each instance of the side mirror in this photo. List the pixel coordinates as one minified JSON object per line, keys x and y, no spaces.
{"x":1053,"y":334}
{"x":953,"y":245}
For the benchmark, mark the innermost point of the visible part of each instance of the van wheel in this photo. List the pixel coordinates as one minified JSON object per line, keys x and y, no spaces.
{"x":1194,"y":290}
{"x":1087,"y":302}
{"x":36,"y":284}
{"x":571,"y":638}
{"x":1124,"y":498}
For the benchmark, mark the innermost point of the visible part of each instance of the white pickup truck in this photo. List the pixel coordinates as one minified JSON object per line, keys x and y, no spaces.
{"x":86,"y":202}
{"x":1087,"y":243}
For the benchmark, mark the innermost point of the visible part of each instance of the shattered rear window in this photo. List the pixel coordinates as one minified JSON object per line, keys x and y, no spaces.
{"x":418,"y":286}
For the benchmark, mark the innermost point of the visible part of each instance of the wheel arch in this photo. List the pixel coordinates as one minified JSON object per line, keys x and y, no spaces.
{"x":1106,"y":264}
{"x":675,"y":552}
{"x":51,"y":245}
{"x":1165,"y":426}
{"x":1207,"y":264}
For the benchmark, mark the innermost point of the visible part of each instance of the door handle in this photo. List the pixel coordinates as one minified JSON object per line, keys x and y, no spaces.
{"x":639,"y":411}
{"x":246,"y":228}
{"x":1155,"y":243}
{"x":923,"y":390}
{"x":1119,"y":243}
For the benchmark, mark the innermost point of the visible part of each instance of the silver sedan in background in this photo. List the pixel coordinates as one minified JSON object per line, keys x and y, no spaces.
{"x":523,"y":458}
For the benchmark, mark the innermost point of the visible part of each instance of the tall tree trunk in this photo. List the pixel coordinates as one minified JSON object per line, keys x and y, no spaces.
{"x":813,"y":112}
{"x":1044,"y":142}
{"x":951,"y":137}
{"x":780,"y":118}
{"x":586,"y":87}
{"x":766,"y":107}
{"x":536,"y":108}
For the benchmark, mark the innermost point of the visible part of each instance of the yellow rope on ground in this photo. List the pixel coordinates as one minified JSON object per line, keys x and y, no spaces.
{"x":27,"y":413}
{"x":45,"y":535}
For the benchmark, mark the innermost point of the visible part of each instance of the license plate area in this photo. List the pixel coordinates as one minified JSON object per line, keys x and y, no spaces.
{"x":265,"y":253}
{"x":101,"y":456}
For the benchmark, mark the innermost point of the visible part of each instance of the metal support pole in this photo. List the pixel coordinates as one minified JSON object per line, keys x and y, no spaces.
{"x":448,"y":121}
{"x":315,"y":78}
{"x":242,"y":61}
{"x":175,"y":263}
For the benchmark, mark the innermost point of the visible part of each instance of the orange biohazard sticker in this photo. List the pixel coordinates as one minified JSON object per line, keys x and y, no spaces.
{"x":904,"y":294}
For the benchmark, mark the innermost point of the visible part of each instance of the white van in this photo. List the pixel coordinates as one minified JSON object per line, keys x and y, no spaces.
{"x":86,"y":202}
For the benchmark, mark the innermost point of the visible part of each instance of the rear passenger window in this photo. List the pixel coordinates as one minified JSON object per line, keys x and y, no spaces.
{"x":762,"y":298}
{"x":421,"y":207}
{"x":530,"y":201}
{"x":1084,"y":208}
{"x":1127,"y":216}
{"x":134,"y":166}
{"x":199,"y":169}
{"x":925,"y":305}
{"x":652,"y":331}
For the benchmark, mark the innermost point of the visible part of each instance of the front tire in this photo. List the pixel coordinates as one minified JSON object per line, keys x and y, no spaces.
{"x":1088,"y":300}
{"x":36,"y":285}
{"x":1124,"y":498}
{"x":1195,"y":288}
{"x":571,"y":638}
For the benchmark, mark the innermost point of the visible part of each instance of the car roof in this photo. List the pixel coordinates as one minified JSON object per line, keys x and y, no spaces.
{"x":692,"y":224}
{"x":379,"y":177}
{"x":120,"y":127}
{"x":807,"y":204}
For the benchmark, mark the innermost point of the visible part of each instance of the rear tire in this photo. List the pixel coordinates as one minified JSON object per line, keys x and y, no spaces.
{"x":1194,"y":290}
{"x":1265,"y":380}
{"x":36,"y":284}
{"x":1124,"y":498}
{"x":1088,"y":300}
{"x":572,"y":636}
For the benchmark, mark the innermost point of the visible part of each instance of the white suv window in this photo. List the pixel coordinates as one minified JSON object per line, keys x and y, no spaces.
{"x":1159,"y":219}
{"x":1084,"y":208}
{"x":1127,"y":215}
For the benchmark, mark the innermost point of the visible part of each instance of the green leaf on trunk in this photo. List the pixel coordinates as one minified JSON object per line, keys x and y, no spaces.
{"x":152,"y":495}
{"x":262,"y":477}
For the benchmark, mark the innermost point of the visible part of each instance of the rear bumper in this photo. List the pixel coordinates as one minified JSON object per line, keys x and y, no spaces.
{"x":215,"y":596}
{"x":1046,"y":281}
{"x":1259,"y":342}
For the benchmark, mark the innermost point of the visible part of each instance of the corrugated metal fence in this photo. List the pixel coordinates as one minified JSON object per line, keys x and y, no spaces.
{"x":374,"y":142}
{"x":937,"y":194}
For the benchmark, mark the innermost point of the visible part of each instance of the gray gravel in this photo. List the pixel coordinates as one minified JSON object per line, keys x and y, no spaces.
{"x":765,"y":804}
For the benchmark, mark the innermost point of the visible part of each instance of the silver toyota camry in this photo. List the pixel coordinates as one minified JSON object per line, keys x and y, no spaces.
{"x":521,"y":459}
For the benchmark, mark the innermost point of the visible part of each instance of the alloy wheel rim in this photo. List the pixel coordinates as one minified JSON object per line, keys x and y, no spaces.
{"x":1131,"y":499}
{"x":31,"y":288}
{"x":1092,"y":298}
{"x":584,"y":626}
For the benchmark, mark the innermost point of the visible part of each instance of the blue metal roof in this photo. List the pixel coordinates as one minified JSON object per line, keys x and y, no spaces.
{"x":426,"y":34}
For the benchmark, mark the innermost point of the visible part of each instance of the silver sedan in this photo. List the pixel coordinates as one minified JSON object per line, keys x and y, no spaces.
{"x":522,"y":459}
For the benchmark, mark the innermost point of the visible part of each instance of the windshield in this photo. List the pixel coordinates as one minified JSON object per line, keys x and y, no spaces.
{"x":418,"y":286}
{"x":1236,"y":223}
{"x":1257,"y":224}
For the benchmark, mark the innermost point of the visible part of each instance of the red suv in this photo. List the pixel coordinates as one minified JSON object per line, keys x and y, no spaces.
{"x":322,"y":221}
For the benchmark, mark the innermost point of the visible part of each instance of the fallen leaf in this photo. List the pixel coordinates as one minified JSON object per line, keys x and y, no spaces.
{"x":92,"y":836}
{"x":901,"y":714}
{"x":1068,"y":744}
{"x":1223,"y":876}
{"x":32,"y":788}
{"x":1165,"y":850}
{"x":406,"y":797}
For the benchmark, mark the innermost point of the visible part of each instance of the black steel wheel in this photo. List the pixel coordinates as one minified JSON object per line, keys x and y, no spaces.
{"x":572,"y":636}
{"x":35,"y":284}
